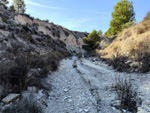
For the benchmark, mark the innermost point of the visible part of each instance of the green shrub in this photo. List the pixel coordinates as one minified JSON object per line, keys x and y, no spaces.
{"x":115,"y":47}
{"x":66,"y":32}
{"x":5,"y":19}
{"x":128,"y":24}
{"x":56,"y":32}
{"x":105,"y":46}
{"x":12,"y":8}
{"x":91,"y":41}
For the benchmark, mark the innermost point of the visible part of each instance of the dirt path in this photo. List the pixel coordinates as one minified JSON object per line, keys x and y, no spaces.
{"x":87,"y":88}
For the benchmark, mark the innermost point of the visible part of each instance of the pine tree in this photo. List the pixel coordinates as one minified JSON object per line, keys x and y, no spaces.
{"x":19,"y":6}
{"x":12,"y":8}
{"x":91,"y":41}
{"x":100,"y":33}
{"x":94,"y":35}
{"x":123,"y":13}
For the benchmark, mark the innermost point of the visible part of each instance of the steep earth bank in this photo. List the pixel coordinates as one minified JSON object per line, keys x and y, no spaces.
{"x":130,"y":50}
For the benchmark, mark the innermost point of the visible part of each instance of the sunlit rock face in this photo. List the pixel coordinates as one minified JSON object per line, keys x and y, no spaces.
{"x":72,"y":39}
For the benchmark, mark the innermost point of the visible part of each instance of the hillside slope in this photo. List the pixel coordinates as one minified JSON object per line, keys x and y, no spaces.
{"x":132,"y":43}
{"x":30,"y":49}
{"x":72,"y":39}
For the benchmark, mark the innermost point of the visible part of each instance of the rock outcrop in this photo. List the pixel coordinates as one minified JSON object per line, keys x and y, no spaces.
{"x":10,"y":98}
{"x":72,"y":39}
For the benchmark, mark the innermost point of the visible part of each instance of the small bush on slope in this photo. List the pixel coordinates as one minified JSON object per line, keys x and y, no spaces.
{"x":24,"y":106}
{"x":14,"y":74}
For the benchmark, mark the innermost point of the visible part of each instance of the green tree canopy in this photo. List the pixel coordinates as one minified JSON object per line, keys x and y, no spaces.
{"x":94,"y":35}
{"x":12,"y":8}
{"x":19,"y":6}
{"x":123,"y":13}
{"x":100,"y":33}
{"x":91,"y":41}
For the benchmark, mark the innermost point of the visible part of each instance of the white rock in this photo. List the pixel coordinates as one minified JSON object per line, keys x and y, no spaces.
{"x":40,"y":94}
{"x":69,"y":96}
{"x":10,"y":98}
{"x":113,"y":108}
{"x":134,"y":64}
{"x":128,"y":62}
{"x":86,"y":110}
{"x":126,"y":54}
{"x":32,"y":89}
{"x":80,"y":110}
{"x":69,"y":100}
{"x":66,"y":90}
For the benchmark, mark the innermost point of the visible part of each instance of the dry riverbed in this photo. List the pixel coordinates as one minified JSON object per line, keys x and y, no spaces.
{"x":85,"y":86}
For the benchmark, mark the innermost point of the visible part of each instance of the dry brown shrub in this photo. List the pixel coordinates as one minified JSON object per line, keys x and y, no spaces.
{"x":126,"y":34}
{"x":140,"y":30}
{"x":147,"y":18}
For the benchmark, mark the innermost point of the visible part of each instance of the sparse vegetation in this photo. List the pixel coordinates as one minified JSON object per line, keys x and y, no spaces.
{"x":66,"y":32}
{"x":74,"y":64}
{"x":126,"y":94}
{"x":105,"y":46}
{"x":24,"y":106}
{"x":21,"y":61}
{"x":19,"y":6}
{"x":56,"y":32}
{"x":118,"y":63}
{"x":5,"y":19}
{"x":15,"y":73}
{"x":12,"y":8}
{"x":144,"y":58}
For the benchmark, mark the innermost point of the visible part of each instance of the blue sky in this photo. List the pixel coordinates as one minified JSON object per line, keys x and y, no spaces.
{"x":81,"y":15}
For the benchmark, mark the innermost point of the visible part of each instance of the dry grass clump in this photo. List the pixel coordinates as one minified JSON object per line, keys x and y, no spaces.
{"x":140,"y":29}
{"x":147,"y":18}
{"x":146,"y":22}
{"x":126,"y":94}
{"x":126,"y":33}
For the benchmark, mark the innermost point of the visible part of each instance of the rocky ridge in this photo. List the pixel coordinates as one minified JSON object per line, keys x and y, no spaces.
{"x":72,"y":39}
